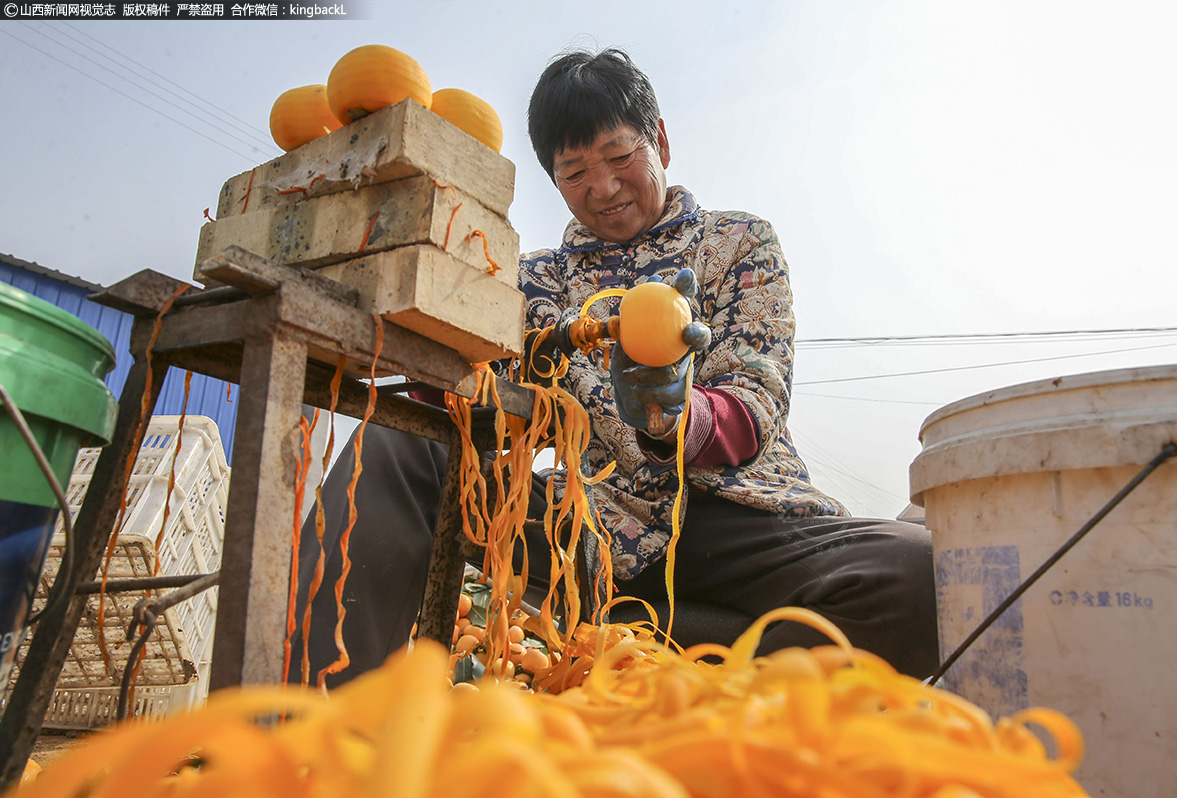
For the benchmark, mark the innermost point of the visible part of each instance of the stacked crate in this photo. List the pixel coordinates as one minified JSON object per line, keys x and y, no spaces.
{"x":185,"y":472}
{"x":402,"y":206}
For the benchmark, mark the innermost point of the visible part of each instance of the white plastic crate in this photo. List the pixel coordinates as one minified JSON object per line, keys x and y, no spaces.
{"x":174,"y":674}
{"x":168,"y":659}
{"x":93,"y":708}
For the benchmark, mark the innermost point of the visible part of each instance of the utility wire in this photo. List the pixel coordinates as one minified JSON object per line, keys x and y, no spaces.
{"x":221,"y":144}
{"x":869,"y":340}
{"x":229,"y":134}
{"x":845,"y":484}
{"x":868,"y":399}
{"x":977,"y":366}
{"x":228,"y":117}
{"x":133,"y":99}
{"x":831,"y":463}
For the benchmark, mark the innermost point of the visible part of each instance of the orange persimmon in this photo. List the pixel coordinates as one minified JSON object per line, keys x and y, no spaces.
{"x":301,"y":115}
{"x":471,"y":114}
{"x":653,"y":316}
{"x":372,"y":77}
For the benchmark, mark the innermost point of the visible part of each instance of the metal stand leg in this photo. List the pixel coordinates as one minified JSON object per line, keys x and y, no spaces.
{"x":255,"y":564}
{"x":440,"y":605}
{"x":447,"y":563}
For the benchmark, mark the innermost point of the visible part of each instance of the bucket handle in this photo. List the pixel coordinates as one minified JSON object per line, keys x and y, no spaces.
{"x":1167,"y":451}
{"x":57,"y":592}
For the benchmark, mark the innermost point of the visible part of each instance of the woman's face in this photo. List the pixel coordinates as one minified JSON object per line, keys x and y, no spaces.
{"x":615,"y":186}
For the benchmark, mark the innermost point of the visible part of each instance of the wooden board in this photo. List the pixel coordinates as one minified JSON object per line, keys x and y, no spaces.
{"x":400,"y":141}
{"x":433,"y":293}
{"x":254,"y":274}
{"x":321,"y":230}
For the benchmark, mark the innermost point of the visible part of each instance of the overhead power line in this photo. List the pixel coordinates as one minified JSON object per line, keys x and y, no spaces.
{"x":201,"y":116}
{"x":1009,"y":337}
{"x":813,"y":453}
{"x":867,"y":399}
{"x":130,"y":97}
{"x":235,"y":121}
{"x":977,"y":366}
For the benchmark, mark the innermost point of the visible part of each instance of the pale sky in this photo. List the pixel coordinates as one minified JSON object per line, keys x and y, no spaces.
{"x":932,"y":168}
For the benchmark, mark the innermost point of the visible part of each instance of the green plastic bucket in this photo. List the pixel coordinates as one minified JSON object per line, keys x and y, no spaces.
{"x":51,"y":365}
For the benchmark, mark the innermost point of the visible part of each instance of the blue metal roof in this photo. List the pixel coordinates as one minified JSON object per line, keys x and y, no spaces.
{"x":207,"y":396}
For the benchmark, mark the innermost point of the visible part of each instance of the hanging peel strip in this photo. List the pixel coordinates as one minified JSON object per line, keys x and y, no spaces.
{"x":344,"y":659}
{"x":496,"y":523}
{"x":300,"y":482}
{"x":320,"y":522}
{"x":167,"y":511}
{"x":494,"y":268}
{"x":129,"y":468}
{"x":367,"y":232}
{"x":167,"y":502}
{"x":445,"y":247}
{"x":680,"y":465}
{"x":625,"y":715}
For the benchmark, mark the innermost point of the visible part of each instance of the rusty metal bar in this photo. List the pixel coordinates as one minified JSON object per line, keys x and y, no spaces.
{"x":255,"y":563}
{"x":210,"y":296}
{"x":146,"y":611}
{"x":439,"y":607}
{"x":33,"y":691}
{"x":132,"y":584}
{"x":395,"y":412}
{"x":222,"y":361}
{"x":327,"y":326}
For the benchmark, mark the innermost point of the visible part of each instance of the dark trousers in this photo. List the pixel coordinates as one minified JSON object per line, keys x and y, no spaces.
{"x":871,"y":577}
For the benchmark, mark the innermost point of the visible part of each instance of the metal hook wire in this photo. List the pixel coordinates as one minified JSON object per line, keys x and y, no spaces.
{"x":57,"y":592}
{"x":146,"y":611}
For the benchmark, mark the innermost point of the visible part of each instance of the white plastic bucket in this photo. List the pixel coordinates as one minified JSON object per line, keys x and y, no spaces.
{"x":1007,"y":477}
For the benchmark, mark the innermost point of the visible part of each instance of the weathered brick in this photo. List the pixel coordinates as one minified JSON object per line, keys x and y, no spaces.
{"x":400,"y":141}
{"x":431,"y":292}
{"x":319,"y":231}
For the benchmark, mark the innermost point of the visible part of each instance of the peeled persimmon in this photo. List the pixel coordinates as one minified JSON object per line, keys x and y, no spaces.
{"x":301,"y":115}
{"x":372,"y":77}
{"x":534,"y":660}
{"x":471,"y":114}
{"x":653,"y":317}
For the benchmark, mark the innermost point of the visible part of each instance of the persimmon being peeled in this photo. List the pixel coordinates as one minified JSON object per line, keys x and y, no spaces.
{"x":470,"y":113}
{"x":653,"y":317}
{"x":301,"y":115}
{"x":372,"y":77}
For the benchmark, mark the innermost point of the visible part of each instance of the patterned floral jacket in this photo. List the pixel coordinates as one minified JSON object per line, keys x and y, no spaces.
{"x":744,"y":296}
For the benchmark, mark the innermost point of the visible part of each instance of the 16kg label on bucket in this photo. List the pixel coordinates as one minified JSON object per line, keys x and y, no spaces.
{"x":970,"y":584}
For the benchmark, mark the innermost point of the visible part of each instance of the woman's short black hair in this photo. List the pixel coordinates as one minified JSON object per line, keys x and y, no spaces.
{"x":582,"y":93}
